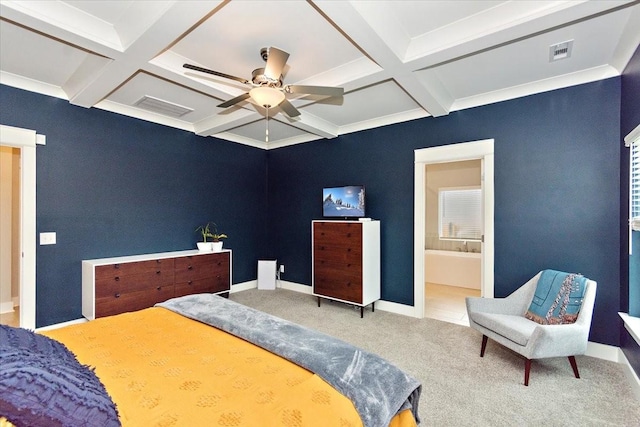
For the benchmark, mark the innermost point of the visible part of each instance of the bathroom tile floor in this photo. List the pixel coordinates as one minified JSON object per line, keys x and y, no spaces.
{"x":447,"y":303}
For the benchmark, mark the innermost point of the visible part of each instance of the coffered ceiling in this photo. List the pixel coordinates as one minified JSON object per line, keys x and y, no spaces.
{"x":396,"y":60}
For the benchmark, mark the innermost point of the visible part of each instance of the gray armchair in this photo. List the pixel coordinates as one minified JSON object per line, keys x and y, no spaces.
{"x":503,"y":320}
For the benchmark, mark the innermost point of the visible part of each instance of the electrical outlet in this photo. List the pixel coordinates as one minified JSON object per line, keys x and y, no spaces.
{"x":281,"y":268}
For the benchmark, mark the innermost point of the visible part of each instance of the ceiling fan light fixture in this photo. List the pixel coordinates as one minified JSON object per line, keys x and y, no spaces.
{"x":266,"y":97}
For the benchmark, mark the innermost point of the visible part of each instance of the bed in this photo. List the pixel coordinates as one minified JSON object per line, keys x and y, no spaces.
{"x":201,"y":360}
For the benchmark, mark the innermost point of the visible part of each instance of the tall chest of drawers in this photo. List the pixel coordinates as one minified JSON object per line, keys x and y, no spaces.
{"x":346,"y":261}
{"x":120,"y":284}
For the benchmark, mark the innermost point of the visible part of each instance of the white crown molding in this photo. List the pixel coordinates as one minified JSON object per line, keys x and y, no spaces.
{"x":32,"y":85}
{"x":540,"y":86}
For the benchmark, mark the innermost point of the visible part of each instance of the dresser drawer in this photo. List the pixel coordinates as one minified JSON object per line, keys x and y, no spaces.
{"x":198,"y":267}
{"x":330,"y":268}
{"x":132,"y":282}
{"x":134,"y":268}
{"x":340,"y":286}
{"x":132,"y":301}
{"x":208,"y":285}
{"x":336,"y":254}
{"x":337,"y":234}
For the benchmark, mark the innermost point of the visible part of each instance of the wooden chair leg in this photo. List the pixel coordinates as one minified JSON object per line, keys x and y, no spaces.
{"x":574,"y":365}
{"x":527,"y":369}
{"x":484,"y":345}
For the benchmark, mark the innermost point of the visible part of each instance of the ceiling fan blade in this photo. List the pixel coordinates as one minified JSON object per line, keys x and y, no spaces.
{"x":315,"y":90}
{"x":235,"y":100}
{"x":216,"y":73}
{"x":276,"y":61}
{"x":289,"y":109}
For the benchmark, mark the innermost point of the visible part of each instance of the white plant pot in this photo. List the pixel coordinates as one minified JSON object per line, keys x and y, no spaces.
{"x":216,"y":246}
{"x":205,"y":246}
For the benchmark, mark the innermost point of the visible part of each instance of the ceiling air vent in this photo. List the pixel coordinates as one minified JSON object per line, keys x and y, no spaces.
{"x":560,"y":51}
{"x":162,"y":107}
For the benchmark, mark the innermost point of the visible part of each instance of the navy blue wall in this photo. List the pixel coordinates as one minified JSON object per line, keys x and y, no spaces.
{"x":557,"y":190}
{"x":630,"y":266}
{"x":111,"y":185}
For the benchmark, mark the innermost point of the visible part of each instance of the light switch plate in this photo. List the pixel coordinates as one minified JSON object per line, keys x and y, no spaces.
{"x":48,"y":238}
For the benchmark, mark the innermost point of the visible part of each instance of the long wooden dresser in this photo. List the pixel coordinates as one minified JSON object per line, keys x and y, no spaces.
{"x":346,"y":261}
{"x":121,"y":284}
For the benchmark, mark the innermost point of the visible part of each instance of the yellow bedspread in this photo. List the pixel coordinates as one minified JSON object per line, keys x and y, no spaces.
{"x":162,"y":369}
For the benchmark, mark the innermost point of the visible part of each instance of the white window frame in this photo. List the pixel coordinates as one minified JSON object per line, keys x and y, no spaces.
{"x":632,"y":141}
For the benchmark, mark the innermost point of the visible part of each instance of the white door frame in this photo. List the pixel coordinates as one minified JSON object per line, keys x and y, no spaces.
{"x":474,"y":150}
{"x":26,"y":140}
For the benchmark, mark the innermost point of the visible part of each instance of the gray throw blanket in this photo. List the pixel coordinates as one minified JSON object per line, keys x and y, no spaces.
{"x":377,"y":388}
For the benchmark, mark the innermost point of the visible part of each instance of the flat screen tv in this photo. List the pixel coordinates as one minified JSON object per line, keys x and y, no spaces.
{"x":343,"y":202}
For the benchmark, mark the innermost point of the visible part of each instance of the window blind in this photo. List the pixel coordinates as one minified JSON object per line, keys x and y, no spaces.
{"x":460,"y":213}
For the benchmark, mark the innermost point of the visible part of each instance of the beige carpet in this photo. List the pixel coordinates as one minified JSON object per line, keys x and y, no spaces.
{"x":459,"y":387}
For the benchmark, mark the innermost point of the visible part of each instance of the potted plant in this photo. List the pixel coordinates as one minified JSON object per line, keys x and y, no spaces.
{"x":210,"y":230}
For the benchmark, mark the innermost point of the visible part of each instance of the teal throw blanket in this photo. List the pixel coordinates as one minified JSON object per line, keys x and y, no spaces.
{"x":557,"y":299}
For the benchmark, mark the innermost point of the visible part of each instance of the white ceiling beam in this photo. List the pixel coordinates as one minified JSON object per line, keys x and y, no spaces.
{"x":83,"y":77}
{"x":361,"y":30}
{"x":175,"y":21}
{"x":169,"y":66}
{"x":220,"y":123}
{"x":313,"y":124}
{"x":63,"y":21}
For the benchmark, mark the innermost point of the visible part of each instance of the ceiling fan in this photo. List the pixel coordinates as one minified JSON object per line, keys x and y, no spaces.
{"x":268,"y":90}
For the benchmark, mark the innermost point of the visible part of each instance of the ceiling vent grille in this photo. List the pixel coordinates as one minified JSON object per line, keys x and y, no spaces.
{"x":162,"y":107}
{"x":560,"y":51}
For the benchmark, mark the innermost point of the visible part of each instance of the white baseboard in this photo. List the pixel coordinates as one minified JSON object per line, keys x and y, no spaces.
{"x":292,"y":286}
{"x":394,"y":307}
{"x":282,"y":284}
{"x":60,"y":325}
{"x":634,"y":381}
{"x":6,"y":307}
{"x":603,"y":351}
{"x":615,"y":354}
{"x":244,"y":286}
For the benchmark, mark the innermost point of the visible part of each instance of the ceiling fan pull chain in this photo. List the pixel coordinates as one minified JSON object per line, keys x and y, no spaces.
{"x":266,"y":138}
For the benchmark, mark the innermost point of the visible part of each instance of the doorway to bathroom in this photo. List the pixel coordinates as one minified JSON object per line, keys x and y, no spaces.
{"x":453,"y":238}
{"x":10,"y":232}
{"x":24,"y":141}
{"x":453,"y":258}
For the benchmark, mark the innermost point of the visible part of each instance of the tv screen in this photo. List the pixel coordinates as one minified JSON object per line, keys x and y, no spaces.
{"x":343,"y":202}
